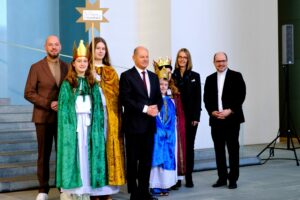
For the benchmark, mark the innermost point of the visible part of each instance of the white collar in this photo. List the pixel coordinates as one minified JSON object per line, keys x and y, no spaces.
{"x":222,"y":73}
{"x":140,"y":70}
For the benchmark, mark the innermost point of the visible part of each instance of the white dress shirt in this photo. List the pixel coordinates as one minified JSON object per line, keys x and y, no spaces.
{"x":221,"y":78}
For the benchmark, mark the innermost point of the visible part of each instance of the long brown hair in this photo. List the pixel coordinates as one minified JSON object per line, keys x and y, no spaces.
{"x":189,"y":59}
{"x":106,"y":59}
{"x":72,"y":76}
{"x":173,"y":87}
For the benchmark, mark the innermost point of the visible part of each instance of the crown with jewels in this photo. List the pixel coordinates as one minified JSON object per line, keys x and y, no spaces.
{"x":80,"y":51}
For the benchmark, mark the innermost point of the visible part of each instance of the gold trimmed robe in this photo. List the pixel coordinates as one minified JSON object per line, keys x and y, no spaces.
{"x":109,"y":84}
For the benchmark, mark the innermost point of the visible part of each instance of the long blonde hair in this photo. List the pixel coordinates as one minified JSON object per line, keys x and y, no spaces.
{"x":189,"y":59}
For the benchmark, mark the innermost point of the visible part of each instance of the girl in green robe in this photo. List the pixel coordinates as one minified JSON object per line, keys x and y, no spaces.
{"x":81,"y":166}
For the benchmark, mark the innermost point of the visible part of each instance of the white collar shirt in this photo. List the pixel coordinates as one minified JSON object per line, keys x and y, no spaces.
{"x":221,"y":79}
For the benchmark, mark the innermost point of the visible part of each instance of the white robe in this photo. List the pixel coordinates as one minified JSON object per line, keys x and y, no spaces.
{"x":83,"y":111}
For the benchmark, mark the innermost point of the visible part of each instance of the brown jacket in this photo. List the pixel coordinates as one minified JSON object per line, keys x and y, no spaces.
{"x":41,"y":89}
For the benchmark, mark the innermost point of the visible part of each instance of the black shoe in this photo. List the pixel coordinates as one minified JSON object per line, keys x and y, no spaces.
{"x":149,"y":197}
{"x":189,"y":181}
{"x":189,"y":184}
{"x":178,"y":184}
{"x":219,"y":184}
{"x":174,"y":187}
{"x":232,"y":185}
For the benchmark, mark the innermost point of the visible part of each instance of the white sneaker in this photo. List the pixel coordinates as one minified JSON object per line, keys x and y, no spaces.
{"x":42,"y":196}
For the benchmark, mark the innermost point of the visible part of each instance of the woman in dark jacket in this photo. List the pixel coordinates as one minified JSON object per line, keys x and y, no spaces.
{"x":189,"y":86}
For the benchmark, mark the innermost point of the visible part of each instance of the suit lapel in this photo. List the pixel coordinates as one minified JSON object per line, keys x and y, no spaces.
{"x":139,"y":81}
{"x":152,"y":83}
{"x":226,"y":81}
{"x":48,"y":72}
{"x":214,"y":83}
{"x":62,"y":72}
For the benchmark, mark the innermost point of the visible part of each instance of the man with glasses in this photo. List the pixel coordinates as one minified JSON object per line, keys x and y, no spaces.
{"x":224,"y":94}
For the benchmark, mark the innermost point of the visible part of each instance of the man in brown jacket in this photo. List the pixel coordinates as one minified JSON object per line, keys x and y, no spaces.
{"x":42,"y":89}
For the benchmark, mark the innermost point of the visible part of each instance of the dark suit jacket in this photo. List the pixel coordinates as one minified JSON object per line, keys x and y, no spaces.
{"x":190,"y":92}
{"x":41,"y":89}
{"x":234,"y":93}
{"x":133,"y":97}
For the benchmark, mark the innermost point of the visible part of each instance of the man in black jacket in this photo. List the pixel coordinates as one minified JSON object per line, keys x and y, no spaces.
{"x":224,"y":94}
{"x":141,"y":99}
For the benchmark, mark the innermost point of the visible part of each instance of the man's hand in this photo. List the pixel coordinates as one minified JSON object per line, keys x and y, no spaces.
{"x":152,"y":110}
{"x":53,"y":105}
{"x":221,"y":114}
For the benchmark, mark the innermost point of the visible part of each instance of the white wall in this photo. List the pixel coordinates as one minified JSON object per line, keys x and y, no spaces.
{"x":245,"y":30}
{"x":133,"y":23}
{"x":120,"y":32}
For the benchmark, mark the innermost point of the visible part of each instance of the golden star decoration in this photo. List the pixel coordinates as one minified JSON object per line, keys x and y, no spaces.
{"x":92,"y":7}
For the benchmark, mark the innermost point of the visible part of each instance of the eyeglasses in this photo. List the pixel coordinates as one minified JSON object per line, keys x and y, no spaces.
{"x":182,"y":57}
{"x":220,"y":61}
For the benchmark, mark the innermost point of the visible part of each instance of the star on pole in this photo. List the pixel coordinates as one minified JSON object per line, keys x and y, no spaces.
{"x":92,"y":15}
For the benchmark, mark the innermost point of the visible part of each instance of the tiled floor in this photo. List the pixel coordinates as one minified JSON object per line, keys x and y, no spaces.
{"x":276,"y":179}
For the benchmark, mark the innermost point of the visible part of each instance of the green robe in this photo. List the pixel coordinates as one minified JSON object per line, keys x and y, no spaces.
{"x":67,"y":164}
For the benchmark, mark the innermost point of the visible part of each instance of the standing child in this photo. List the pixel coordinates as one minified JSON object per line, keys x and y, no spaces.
{"x":163,"y":172}
{"x":81,"y":162}
{"x":108,"y":82}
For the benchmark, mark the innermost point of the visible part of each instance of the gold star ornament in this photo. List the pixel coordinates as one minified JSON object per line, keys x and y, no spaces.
{"x":92,"y":15}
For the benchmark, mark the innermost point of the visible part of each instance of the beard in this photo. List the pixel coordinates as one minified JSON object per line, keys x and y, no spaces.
{"x":53,"y":56}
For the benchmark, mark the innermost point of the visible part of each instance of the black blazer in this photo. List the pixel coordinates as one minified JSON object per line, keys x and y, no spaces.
{"x":133,"y":97}
{"x":190,"y":92}
{"x":233,"y":96}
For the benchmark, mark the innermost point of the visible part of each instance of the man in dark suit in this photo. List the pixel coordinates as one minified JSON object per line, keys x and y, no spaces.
{"x":42,"y":89}
{"x":141,"y":99}
{"x":224,"y":94}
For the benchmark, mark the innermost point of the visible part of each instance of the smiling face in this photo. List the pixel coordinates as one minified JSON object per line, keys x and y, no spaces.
{"x":80,"y":65}
{"x":141,"y":58}
{"x":220,"y":62}
{"x":100,"y":51}
{"x":164,"y":85}
{"x":182,"y":60}
{"x":52,"y":47}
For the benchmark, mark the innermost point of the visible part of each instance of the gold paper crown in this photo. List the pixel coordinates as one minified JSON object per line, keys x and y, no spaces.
{"x":163,"y":74}
{"x":81,"y":51}
{"x":163,"y":62}
{"x":159,"y":67}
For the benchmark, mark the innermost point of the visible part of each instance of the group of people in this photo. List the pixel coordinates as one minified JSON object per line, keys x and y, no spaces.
{"x":96,"y":119}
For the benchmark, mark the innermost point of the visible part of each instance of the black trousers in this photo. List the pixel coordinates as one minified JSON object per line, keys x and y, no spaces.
{"x":45,"y":133}
{"x":226,"y":135}
{"x":139,"y":150}
{"x":190,"y":143}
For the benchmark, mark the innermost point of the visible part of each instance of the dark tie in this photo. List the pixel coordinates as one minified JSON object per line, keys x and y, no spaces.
{"x":144,"y":79}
